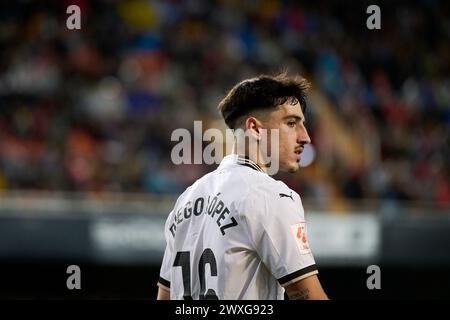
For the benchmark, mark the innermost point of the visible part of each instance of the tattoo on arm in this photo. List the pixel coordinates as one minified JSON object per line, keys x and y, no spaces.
{"x":303,"y":294}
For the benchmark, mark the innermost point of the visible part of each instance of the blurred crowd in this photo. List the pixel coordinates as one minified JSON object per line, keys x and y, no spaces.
{"x":94,"y":109}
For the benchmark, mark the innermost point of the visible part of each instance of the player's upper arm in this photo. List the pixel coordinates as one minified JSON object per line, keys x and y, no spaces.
{"x":166,"y":265}
{"x":306,"y":289}
{"x":276,"y":227}
{"x":163,"y":294}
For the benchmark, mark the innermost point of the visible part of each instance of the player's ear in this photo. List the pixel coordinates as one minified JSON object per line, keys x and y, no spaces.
{"x":253,"y":126}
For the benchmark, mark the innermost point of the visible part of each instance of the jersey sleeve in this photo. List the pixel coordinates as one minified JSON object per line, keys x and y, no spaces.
{"x":166,"y":266}
{"x":277,"y":228}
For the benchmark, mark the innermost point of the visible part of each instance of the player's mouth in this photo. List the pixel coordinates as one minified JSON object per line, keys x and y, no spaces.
{"x":297,"y":152}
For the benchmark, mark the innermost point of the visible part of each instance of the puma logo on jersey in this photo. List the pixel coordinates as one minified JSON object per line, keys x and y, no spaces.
{"x":285,"y":195}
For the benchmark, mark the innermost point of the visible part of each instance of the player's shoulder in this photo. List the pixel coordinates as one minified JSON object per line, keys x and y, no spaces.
{"x":267,"y":186}
{"x":253,"y":183}
{"x":267,"y":195}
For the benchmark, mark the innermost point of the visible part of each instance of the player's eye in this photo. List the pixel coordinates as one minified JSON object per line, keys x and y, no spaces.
{"x":291,"y":124}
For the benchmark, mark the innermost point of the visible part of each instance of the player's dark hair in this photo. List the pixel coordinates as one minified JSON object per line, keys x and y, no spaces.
{"x":262,"y":93}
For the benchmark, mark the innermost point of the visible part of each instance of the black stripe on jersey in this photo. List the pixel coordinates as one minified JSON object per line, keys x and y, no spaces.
{"x":249,"y":163}
{"x":164,"y":282}
{"x":297,"y":274}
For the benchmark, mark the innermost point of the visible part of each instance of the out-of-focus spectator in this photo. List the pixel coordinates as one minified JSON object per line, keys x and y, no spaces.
{"x":94,"y":109}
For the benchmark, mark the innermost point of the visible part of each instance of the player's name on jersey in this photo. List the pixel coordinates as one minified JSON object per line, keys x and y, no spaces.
{"x":213,"y":207}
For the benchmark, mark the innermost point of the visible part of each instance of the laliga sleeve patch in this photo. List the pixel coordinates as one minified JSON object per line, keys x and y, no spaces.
{"x":298,"y":230}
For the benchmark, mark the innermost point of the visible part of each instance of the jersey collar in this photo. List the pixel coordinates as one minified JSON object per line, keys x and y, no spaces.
{"x":241,"y":160}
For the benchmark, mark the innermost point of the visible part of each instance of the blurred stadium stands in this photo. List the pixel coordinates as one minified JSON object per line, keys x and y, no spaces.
{"x":86,"y":118}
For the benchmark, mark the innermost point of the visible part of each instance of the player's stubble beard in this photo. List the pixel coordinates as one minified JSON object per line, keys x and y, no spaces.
{"x":290,"y":167}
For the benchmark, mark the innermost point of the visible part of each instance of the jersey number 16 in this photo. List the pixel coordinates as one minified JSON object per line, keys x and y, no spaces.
{"x":182,"y":259}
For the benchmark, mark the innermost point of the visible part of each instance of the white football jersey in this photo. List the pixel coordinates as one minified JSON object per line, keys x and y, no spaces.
{"x":236,"y":233}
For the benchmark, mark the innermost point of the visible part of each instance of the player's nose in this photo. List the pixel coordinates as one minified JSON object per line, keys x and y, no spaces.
{"x":303,"y":136}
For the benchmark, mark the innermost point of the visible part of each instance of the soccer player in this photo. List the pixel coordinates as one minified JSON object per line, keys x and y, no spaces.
{"x":237,"y":233}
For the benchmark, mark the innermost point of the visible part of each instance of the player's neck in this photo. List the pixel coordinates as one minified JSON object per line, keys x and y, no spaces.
{"x":248,"y":156}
